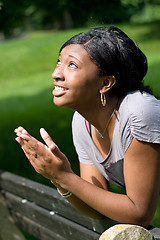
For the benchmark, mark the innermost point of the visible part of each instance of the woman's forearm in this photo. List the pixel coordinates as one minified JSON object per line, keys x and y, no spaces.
{"x":95,"y":201}
{"x":81,"y":206}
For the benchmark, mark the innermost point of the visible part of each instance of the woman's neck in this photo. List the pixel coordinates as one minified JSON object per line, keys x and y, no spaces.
{"x":99,"y":116}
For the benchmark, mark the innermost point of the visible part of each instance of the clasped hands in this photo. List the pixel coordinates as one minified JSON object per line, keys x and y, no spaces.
{"x":47,"y":159}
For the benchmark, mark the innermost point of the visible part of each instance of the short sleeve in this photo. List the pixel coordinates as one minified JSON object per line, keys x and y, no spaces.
{"x":145,"y":120}
{"x":79,"y":139}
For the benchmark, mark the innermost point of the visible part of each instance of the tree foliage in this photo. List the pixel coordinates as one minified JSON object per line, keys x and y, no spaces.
{"x":12,"y":15}
{"x":62,"y":14}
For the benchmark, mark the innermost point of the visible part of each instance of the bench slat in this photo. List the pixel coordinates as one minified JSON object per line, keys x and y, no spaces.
{"x":49,"y":198}
{"x":8,"y":229}
{"x":42,"y":212}
{"x":54,"y":223}
{"x":35,"y":229}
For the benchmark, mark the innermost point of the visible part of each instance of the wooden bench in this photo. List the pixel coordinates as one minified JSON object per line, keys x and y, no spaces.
{"x":42,"y":212}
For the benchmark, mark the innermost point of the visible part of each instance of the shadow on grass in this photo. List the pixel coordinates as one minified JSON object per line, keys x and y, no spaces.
{"x":32,"y":113}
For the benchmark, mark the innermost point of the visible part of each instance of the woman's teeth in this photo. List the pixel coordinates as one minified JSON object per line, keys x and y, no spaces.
{"x":60,"y":88}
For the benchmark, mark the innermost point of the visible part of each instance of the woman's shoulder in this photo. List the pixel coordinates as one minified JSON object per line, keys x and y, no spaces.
{"x":141,"y":103}
{"x":143,"y":112}
{"x":142,"y":96}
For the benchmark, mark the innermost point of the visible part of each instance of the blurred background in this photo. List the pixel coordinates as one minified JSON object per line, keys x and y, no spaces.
{"x":19,"y":16}
{"x":31,"y":34}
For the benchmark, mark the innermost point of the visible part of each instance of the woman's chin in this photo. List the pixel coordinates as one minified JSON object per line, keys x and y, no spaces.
{"x":59,"y":102}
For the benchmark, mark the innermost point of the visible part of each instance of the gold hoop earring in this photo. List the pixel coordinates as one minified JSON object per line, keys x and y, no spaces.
{"x":103,"y":99}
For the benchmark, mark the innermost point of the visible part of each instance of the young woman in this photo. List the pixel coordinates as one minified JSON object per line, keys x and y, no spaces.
{"x":116,"y":129}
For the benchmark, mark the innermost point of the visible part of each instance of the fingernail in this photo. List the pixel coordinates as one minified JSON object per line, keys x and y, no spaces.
{"x":52,"y":146}
{"x":18,"y":139}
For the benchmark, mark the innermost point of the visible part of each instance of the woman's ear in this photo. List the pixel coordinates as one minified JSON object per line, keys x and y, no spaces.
{"x":107,"y":83}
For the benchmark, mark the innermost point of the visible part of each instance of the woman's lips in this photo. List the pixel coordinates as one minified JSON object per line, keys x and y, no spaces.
{"x":58,"y":91}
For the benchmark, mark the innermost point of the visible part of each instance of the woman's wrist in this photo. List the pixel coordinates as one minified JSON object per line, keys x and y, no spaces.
{"x":63,"y":184}
{"x":65,"y":194}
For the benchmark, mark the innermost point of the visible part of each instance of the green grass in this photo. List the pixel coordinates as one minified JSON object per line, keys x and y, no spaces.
{"x":26,"y":86}
{"x":26,"y":98}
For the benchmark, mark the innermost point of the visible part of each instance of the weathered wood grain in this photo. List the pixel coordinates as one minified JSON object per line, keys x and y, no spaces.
{"x":49,"y":199}
{"x":48,"y":219}
{"x":42,"y":212}
{"x":8,"y":229}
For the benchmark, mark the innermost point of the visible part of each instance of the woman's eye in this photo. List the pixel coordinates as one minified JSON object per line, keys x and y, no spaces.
{"x":58,"y":62}
{"x":73,"y":65}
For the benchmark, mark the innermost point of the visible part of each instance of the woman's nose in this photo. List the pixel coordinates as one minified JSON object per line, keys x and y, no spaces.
{"x":57,"y":74}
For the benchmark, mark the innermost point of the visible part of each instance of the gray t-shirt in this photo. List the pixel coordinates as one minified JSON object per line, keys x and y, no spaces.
{"x":138,"y":117}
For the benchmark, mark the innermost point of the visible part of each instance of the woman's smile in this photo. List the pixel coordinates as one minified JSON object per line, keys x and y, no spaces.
{"x":59,"y":91}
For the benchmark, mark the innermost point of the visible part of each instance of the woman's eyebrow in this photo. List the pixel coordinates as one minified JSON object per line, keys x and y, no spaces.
{"x":75,"y":58}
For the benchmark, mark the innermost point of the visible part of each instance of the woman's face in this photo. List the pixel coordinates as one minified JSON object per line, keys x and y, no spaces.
{"x":75,"y":79}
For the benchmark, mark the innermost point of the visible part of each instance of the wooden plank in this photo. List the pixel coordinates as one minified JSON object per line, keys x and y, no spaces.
{"x":49,"y":220}
{"x":49,"y":198}
{"x":8,"y":229}
{"x":36,"y":229}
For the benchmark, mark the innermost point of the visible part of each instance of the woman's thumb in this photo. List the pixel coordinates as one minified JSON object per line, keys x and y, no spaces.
{"x":47,"y":139}
{"x":49,"y":142}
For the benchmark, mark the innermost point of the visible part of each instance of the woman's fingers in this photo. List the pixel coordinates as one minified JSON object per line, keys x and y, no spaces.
{"x":20,"y":130}
{"x":47,"y":139}
{"x":22,"y":133}
{"x":33,"y":145}
{"x":19,"y":140}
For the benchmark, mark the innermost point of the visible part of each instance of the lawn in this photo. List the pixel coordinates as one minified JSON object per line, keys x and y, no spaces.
{"x":26,"y":86}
